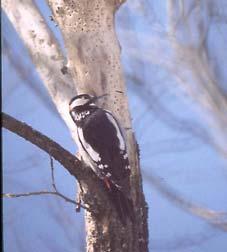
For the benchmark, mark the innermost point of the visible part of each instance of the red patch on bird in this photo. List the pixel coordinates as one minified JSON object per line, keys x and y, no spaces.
{"x":106,"y":181}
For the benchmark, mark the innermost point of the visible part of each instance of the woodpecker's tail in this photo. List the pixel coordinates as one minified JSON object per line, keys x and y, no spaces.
{"x":123,"y":204}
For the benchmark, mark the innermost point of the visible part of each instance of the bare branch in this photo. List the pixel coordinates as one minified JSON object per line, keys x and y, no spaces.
{"x":214,"y":218}
{"x":17,"y":195}
{"x":52,"y":173}
{"x":187,"y":58}
{"x":55,"y":192}
{"x":189,"y":42}
{"x":69,"y":161}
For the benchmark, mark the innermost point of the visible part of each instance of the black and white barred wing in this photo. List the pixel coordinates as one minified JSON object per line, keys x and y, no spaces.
{"x":105,"y":145}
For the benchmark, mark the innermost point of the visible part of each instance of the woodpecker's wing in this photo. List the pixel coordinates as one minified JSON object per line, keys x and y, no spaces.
{"x":105,"y":145}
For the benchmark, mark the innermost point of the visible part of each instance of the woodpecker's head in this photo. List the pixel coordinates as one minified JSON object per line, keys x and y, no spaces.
{"x":83,"y":101}
{"x":82,"y":105}
{"x":80,"y":101}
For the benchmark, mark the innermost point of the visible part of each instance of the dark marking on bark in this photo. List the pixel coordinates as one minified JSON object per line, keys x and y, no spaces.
{"x":80,"y":46}
{"x":103,"y":81}
{"x":64,"y":70}
{"x":118,"y":91}
{"x":60,"y":11}
{"x":137,"y":149}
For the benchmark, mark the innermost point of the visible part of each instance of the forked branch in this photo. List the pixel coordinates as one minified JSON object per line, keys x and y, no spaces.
{"x":44,"y":192}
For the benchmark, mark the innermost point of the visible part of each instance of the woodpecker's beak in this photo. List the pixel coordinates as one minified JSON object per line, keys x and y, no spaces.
{"x":94,"y":99}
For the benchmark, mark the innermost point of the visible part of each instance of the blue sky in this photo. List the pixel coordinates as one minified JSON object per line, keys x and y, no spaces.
{"x":177,"y":157}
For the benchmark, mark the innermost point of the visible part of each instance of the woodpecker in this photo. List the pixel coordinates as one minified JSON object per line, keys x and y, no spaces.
{"x":102,"y":147}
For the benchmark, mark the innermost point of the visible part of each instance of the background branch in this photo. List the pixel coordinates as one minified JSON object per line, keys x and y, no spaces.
{"x":215,"y":218}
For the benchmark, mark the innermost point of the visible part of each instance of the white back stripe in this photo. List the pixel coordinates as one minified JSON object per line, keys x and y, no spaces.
{"x":92,"y":153}
{"x":119,"y":135}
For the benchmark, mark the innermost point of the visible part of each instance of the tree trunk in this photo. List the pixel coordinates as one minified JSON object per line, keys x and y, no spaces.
{"x":94,"y":62}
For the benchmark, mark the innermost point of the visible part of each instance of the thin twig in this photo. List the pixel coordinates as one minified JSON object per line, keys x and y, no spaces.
{"x":78,"y":204}
{"x":55,"y":192}
{"x":17,"y":195}
{"x":52,"y":173}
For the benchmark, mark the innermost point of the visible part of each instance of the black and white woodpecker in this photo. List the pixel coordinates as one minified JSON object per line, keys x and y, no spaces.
{"x":102,"y":147}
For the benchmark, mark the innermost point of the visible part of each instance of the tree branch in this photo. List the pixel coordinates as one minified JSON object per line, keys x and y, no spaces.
{"x":52,"y":174}
{"x":17,"y":195}
{"x":69,"y":161}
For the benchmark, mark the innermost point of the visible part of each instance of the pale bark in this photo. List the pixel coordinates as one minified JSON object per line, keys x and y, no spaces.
{"x":94,"y":63}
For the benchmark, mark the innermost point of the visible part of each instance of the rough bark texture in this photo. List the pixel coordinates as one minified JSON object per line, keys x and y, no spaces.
{"x":94,"y":62}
